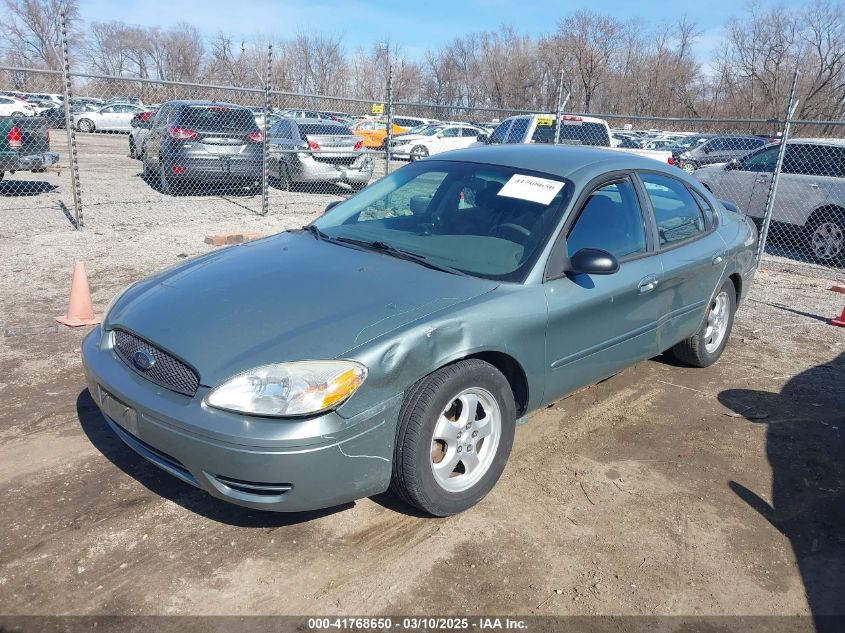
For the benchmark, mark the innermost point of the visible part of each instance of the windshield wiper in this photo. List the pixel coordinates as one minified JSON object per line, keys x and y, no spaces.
{"x":398,"y":253}
{"x":316,"y":232}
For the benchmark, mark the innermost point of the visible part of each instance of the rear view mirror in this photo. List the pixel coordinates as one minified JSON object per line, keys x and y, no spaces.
{"x":593,"y":261}
{"x":419,"y":204}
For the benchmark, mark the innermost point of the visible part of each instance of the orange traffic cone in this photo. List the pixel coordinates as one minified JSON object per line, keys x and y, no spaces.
{"x":840,"y":321}
{"x":79,"y":309}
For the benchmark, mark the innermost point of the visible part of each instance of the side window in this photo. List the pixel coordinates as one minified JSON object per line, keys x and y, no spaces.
{"x":109,"y":110}
{"x":518,"y":130}
{"x":705,"y":206}
{"x":501,"y":132}
{"x":451,"y":132}
{"x":764,"y":160}
{"x":611,"y":220}
{"x":677,"y":214}
{"x":468,"y":131}
{"x":716,"y":145}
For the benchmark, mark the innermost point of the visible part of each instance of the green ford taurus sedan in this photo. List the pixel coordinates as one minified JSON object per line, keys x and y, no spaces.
{"x":398,"y":340}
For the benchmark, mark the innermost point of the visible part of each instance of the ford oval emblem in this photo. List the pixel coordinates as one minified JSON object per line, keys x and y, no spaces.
{"x":143,"y":360}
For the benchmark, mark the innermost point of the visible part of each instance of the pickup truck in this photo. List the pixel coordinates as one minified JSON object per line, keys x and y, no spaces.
{"x":25,"y":145}
{"x":574,"y":130}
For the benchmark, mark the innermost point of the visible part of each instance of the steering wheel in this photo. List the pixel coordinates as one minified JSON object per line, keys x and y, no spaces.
{"x":510,"y":227}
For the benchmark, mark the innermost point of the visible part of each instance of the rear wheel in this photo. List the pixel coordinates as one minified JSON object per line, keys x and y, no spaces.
{"x":17,"y":113}
{"x":455,"y":433}
{"x":85,"y":125}
{"x":418,"y":152}
{"x":132,"y":151}
{"x":689,"y":166}
{"x":826,"y":236}
{"x":705,"y":347}
{"x":164,"y":183}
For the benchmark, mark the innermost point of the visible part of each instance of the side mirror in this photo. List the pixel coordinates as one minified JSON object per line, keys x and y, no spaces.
{"x":734,"y":164}
{"x":331,"y":205}
{"x":593,"y":261}
{"x":440,"y":135}
{"x":419,"y":204}
{"x":705,"y":149}
{"x":483,"y":138}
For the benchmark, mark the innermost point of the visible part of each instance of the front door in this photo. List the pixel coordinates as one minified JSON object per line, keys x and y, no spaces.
{"x":599,"y":324}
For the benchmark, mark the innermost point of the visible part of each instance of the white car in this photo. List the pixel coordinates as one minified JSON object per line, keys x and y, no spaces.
{"x":12,"y":106}
{"x":115,"y":117}
{"x":435,"y":140}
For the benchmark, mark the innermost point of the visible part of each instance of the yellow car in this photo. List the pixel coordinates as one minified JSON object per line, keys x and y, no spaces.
{"x":374,"y":132}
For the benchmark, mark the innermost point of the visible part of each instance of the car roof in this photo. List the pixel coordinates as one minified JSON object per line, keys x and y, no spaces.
{"x":566,"y":161}
{"x":835,"y":142}
{"x":200,"y":102}
{"x":313,"y":120}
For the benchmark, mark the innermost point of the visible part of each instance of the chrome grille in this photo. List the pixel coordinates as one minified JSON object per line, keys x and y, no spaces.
{"x":167,"y":371}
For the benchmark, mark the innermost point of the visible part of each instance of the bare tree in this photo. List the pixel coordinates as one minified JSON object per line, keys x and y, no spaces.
{"x":32,"y":30}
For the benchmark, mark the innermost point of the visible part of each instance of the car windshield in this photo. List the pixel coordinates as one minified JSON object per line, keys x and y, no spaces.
{"x":484,"y":220}
{"x":219,"y":118}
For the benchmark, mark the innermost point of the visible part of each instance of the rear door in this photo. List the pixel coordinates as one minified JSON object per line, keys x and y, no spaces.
{"x":743,"y":182}
{"x":693,"y":256}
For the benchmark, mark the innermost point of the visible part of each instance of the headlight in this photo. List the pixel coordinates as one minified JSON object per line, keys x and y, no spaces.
{"x":289,"y":389}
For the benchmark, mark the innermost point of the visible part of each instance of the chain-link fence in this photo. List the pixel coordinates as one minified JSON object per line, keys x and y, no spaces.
{"x":144,"y":144}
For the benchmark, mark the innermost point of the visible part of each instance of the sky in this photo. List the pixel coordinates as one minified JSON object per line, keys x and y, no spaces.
{"x":416,"y":25}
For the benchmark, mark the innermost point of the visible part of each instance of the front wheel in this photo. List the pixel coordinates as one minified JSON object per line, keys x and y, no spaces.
{"x":705,"y":347}
{"x":689,"y":166}
{"x":455,"y":433}
{"x":85,"y":125}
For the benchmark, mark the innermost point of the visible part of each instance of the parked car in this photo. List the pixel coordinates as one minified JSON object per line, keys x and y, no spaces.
{"x":341,"y":117}
{"x":374,"y":132}
{"x":141,"y":124}
{"x":317,"y":150}
{"x":718,"y":149}
{"x":12,"y":106}
{"x":125,"y":99}
{"x":396,"y":340}
{"x":810,"y":195}
{"x":203,"y":141}
{"x":435,"y":140}
{"x":116,"y":117}
{"x":25,"y":145}
{"x":573,"y":130}
{"x":409,"y":122}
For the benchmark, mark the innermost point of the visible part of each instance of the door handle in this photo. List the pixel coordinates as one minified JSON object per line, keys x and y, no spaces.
{"x":647,"y":284}
{"x":813,"y":185}
{"x":718,"y":258}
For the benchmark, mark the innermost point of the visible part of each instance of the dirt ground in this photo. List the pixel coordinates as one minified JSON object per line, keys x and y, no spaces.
{"x":664,"y":490}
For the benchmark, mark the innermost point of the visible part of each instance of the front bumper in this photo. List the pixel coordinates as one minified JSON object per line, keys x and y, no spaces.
{"x":31,"y":162}
{"x":279,"y":465}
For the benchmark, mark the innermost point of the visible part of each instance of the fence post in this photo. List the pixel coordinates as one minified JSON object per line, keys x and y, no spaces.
{"x":71,"y":132}
{"x":265,"y":201}
{"x":772,"y":193}
{"x":559,"y":108}
{"x":389,"y":138}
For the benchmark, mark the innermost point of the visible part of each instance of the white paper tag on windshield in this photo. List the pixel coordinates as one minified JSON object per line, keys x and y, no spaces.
{"x":531,"y":188}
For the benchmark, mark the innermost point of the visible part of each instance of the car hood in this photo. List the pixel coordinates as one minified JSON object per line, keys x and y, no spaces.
{"x":287,"y":297}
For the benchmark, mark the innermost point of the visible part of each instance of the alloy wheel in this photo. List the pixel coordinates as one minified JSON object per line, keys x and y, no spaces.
{"x":465,"y":439}
{"x":827,"y":241}
{"x":717,"y":322}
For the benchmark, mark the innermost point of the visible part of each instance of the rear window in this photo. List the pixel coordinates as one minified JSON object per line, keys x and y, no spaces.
{"x":218,"y":118}
{"x":573,"y":133}
{"x":316,"y":129}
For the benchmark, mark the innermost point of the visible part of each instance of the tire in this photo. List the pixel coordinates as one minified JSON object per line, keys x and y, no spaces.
{"x":826,"y":236}
{"x":689,"y":166}
{"x":705,"y":347}
{"x":147,"y":172}
{"x":418,"y":152}
{"x":426,"y":416}
{"x":164,"y":184}
{"x":18,"y":114}
{"x":85,"y":125}
{"x":132,"y":152}
{"x":357,"y":186}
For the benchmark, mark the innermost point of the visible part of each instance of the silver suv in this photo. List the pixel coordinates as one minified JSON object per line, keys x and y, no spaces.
{"x":810,"y":195}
